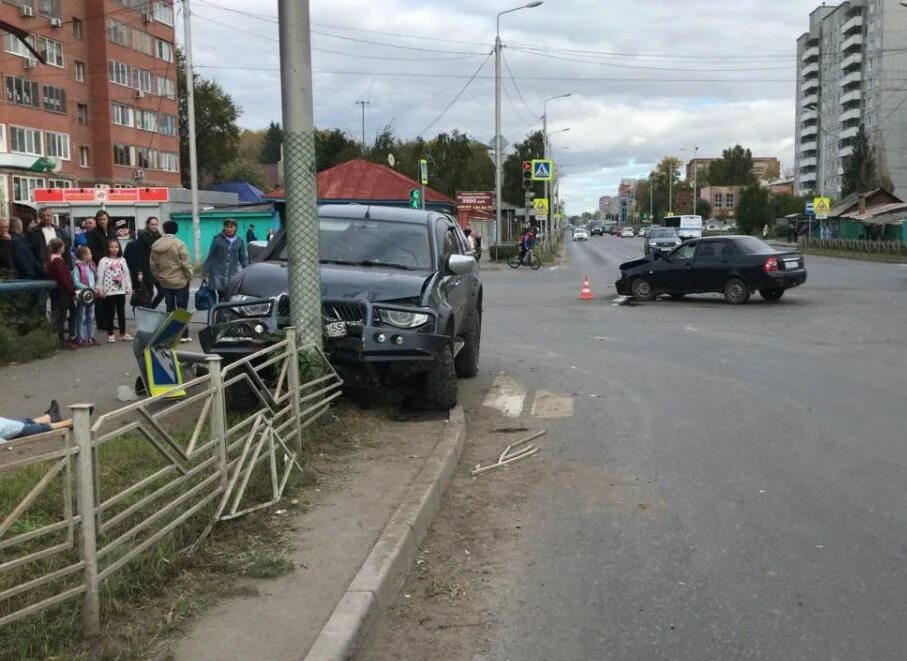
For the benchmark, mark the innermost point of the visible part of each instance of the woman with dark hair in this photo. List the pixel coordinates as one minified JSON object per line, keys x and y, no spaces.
{"x":97,"y":239}
{"x":226,"y":258}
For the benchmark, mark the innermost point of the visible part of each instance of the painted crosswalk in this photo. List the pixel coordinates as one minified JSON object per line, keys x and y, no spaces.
{"x":509,"y":397}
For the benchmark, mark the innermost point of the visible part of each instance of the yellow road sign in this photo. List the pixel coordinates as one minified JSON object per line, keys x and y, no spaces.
{"x":821,"y":207}
{"x":540,"y":204}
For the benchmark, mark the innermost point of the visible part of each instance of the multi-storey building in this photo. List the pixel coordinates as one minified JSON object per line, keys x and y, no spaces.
{"x":101,"y":109}
{"x":764,"y":168}
{"x":850,"y":71}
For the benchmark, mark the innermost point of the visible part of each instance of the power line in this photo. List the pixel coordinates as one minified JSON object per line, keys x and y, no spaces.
{"x":458,"y":95}
{"x":515,"y":86}
{"x":512,"y":104}
{"x":548,"y":55}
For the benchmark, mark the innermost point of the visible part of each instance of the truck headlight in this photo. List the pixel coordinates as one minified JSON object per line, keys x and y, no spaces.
{"x":403,"y":319}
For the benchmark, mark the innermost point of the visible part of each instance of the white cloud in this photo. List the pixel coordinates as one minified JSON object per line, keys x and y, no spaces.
{"x":626,"y":111}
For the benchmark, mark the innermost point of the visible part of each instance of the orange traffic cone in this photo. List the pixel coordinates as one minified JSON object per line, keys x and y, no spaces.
{"x":585,"y":293}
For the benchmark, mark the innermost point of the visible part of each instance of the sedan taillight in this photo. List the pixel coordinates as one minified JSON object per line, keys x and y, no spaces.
{"x":771,"y":264}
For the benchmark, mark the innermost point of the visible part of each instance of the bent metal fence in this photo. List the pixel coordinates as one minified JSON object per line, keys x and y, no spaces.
{"x":857,"y":246}
{"x":76,"y":507}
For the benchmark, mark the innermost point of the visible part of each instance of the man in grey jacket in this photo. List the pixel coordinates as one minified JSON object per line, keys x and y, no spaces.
{"x":170,"y":267}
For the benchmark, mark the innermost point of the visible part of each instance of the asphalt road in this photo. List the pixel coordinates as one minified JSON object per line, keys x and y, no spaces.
{"x":730,"y":483}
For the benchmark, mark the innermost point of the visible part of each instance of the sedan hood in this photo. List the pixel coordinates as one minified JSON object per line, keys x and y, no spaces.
{"x":648,"y":259}
{"x":266,"y":279}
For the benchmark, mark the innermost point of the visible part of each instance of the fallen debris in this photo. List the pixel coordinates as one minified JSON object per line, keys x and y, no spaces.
{"x":513,"y":452}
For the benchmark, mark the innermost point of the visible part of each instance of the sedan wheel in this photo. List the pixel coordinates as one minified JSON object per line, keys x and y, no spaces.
{"x":736,"y":292}
{"x":771,"y":294}
{"x":642,"y":290}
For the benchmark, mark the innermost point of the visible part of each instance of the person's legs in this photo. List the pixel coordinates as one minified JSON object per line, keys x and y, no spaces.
{"x":158,"y":297}
{"x":58,"y":314}
{"x":182,"y":302}
{"x":79,"y":335}
{"x":169,"y":299}
{"x":120,"y":304}
{"x":71,"y":326}
{"x":107,"y":322}
{"x":89,"y":323}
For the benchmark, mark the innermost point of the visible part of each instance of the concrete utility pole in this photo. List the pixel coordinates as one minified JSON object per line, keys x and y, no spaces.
{"x":301,"y":217}
{"x":193,"y":154}
{"x":363,"y":104}
{"x":547,"y":155}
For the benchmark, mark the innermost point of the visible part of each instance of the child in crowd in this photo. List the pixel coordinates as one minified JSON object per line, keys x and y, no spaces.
{"x":62,"y":298}
{"x":85,"y":277}
{"x":114,"y":285}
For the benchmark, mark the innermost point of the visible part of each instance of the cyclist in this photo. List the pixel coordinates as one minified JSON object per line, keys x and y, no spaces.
{"x":527,"y":243}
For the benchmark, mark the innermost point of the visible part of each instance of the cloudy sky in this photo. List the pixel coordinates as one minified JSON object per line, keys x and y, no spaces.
{"x":647,"y":77}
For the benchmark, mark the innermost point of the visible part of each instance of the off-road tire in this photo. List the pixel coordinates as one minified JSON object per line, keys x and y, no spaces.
{"x":736,"y":291}
{"x":467,"y":361}
{"x":439,"y":387}
{"x":772,"y":294}
{"x":642,"y":290}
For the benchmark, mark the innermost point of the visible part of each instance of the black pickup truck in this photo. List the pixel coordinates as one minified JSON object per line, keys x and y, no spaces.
{"x":401,"y":302}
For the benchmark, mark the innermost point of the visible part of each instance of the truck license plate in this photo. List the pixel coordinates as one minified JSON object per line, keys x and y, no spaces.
{"x":335,"y":329}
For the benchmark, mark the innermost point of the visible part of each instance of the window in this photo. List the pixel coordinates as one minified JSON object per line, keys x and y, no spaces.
{"x":80,"y":72}
{"x":22,"y":92}
{"x":729,"y":201}
{"x":52,"y":51}
{"x":59,"y":183}
{"x":146,"y":120}
{"x":50,"y":8}
{"x":25,"y":141}
{"x":77,"y":28}
{"x":166,"y":87}
{"x":163,"y":13}
{"x":143,"y":80}
{"x":122,"y":155}
{"x":57,"y":145}
{"x":164,"y":50}
{"x":54,"y":99}
{"x":146,"y":158}
{"x":169,"y":162}
{"x":120,"y":73}
{"x":709,"y":250}
{"x":2,"y":147}
{"x":684,"y":253}
{"x":23,"y":187}
{"x":117,"y":32}
{"x":167,"y":124}
{"x":719,"y":200}
{"x":142,"y":42}
{"x":82,"y":113}
{"x":123,"y":115}
{"x":12,"y":44}
{"x":84,"y":157}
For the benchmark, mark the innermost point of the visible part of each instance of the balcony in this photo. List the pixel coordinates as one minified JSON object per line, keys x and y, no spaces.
{"x":806,"y":162}
{"x":852,"y":43}
{"x":806,"y":177}
{"x":854,"y":24}
{"x":851,"y":60}
{"x":849,"y":115}
{"x":807,"y":131}
{"x":848,"y":133}
{"x":851,"y":79}
{"x":845,"y":151}
{"x":809,"y":99}
{"x":851,"y":96}
{"x":810,"y":70}
{"x":812,"y":52}
{"x":810,"y":86}
{"x":810,"y":145}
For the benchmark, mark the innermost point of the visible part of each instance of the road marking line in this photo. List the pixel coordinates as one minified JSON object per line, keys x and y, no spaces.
{"x":507,"y":396}
{"x":552,"y":405}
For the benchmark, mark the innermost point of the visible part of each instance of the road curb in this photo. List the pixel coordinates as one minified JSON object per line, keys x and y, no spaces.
{"x":384,"y":570}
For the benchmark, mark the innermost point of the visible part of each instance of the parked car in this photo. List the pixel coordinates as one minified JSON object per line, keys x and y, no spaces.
{"x":661,"y":240}
{"x":735,"y":266}
{"x":627,"y":233}
{"x":580,"y":234}
{"x":401,"y":302}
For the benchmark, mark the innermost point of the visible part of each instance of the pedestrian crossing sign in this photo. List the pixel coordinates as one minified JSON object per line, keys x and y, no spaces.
{"x":540,"y":206}
{"x":821,"y":207}
{"x":542,"y":169}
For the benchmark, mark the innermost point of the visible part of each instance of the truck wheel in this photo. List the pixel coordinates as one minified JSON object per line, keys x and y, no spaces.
{"x":439,"y":391}
{"x":467,"y":361}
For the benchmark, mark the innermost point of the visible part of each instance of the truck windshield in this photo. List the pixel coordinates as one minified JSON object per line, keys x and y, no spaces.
{"x":373,"y":242}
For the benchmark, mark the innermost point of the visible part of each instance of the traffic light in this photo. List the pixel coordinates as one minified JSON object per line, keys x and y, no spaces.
{"x":415,"y":198}
{"x":527,"y":175}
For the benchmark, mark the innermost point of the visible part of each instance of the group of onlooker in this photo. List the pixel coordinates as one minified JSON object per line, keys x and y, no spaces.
{"x":95,"y":278}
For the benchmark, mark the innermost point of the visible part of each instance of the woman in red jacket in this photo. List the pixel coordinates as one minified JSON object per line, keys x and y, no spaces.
{"x":62,"y":299}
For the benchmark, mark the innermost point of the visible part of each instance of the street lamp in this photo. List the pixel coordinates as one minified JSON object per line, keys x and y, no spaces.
{"x":555,"y":175}
{"x":498,"y":149}
{"x":546,"y":148}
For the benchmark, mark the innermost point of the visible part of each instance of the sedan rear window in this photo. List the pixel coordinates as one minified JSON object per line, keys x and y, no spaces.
{"x":750,"y":245}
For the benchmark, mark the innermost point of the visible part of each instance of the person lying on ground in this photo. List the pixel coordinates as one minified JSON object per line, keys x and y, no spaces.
{"x":11,"y":428}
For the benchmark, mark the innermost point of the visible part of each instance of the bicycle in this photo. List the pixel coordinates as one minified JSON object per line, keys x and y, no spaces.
{"x":531,"y":260}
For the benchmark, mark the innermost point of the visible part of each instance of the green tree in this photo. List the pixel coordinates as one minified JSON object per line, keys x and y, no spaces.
{"x":250,"y":143}
{"x":753,"y":209}
{"x":784,"y":204}
{"x":332,"y":147}
{"x":512,"y":188}
{"x":216,"y":131}
{"x":273,"y":140}
{"x":703,"y":208}
{"x":734,"y":168}
{"x":860,"y":166}
{"x":243,"y":169}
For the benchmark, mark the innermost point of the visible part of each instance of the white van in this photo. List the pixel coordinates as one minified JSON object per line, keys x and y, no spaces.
{"x":688,"y":227}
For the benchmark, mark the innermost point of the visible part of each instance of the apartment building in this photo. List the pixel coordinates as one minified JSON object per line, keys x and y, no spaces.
{"x":101,"y":109}
{"x":764,"y":167}
{"x":851,"y":68}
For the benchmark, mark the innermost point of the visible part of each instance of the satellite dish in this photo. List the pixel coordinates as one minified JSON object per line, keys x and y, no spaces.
{"x":391,"y":160}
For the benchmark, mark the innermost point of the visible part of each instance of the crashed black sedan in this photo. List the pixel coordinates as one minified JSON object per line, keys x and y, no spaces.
{"x":735,"y":266}
{"x":401,"y":302}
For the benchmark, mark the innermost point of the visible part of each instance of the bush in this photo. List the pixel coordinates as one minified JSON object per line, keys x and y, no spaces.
{"x":25,"y":335}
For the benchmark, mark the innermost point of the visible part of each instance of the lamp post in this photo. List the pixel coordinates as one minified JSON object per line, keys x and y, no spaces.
{"x":498,"y":149}
{"x":546,"y":150}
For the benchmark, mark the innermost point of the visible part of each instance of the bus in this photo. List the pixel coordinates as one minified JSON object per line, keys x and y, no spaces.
{"x":688,"y":227}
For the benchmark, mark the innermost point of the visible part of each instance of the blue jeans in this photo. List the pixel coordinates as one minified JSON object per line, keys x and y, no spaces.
{"x":177,"y":299}
{"x":84,"y":322}
{"x":31,"y":428}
